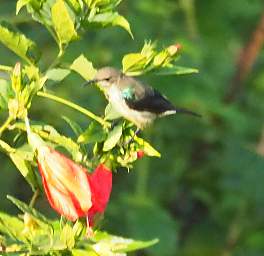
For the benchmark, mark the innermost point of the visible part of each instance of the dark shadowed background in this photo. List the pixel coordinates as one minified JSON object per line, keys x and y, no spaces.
{"x":205,"y":195}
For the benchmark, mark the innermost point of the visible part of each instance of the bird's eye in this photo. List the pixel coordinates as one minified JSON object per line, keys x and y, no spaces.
{"x":108,"y":79}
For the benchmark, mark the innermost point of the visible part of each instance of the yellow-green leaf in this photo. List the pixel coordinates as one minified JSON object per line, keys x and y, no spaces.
{"x":147,"y":148}
{"x":20,"y":4}
{"x":63,"y":23}
{"x":133,"y":61}
{"x":18,"y":43}
{"x":24,"y":167}
{"x":113,"y":138}
{"x":122,"y":22}
{"x":84,"y":67}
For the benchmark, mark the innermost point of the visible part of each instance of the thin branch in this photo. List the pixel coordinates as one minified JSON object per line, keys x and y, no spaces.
{"x":246,"y":60}
{"x":5,"y":124}
{"x":74,"y":106}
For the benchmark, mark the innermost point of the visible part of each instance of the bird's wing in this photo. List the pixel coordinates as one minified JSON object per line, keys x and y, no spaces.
{"x":150,"y":100}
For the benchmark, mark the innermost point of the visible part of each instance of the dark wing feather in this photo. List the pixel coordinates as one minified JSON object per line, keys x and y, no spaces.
{"x":151,"y":101}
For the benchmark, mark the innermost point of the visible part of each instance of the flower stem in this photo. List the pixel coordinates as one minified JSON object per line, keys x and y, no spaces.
{"x":5,"y":124}
{"x":34,"y":198}
{"x":74,"y":106}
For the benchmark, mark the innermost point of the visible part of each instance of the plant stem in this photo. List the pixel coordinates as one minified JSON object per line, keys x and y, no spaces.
{"x":6,"y":147}
{"x":56,"y":60}
{"x":5,"y":68}
{"x":5,"y":124}
{"x":74,"y":106}
{"x":34,"y":198}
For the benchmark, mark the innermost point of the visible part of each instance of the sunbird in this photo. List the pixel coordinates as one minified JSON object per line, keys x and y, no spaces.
{"x":135,"y":101}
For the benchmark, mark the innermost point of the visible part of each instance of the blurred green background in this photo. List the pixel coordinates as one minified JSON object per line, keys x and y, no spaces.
{"x":205,"y":196}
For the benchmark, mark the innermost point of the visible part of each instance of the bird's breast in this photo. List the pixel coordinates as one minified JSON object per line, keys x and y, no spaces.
{"x":139,"y":118}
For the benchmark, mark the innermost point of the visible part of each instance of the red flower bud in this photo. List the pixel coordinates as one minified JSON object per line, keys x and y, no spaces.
{"x":70,"y":189}
{"x":140,"y":154}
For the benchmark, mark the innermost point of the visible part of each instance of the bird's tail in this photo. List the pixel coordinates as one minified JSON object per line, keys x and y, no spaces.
{"x":186,"y":111}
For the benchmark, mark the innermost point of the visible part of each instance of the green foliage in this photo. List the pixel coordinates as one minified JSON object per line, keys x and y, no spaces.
{"x":113,"y":144}
{"x":18,"y":43}
{"x":205,"y":195}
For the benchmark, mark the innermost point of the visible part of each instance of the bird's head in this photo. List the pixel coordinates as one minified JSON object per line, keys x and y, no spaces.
{"x":105,"y":77}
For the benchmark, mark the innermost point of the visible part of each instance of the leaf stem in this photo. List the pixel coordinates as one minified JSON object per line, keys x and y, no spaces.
{"x":56,"y":60}
{"x":74,"y":106}
{"x":5,"y":68}
{"x":5,"y":124}
{"x":6,"y":147}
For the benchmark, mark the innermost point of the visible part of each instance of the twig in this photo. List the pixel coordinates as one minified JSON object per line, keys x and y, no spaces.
{"x":74,"y":106}
{"x":246,"y":60}
{"x":5,"y":124}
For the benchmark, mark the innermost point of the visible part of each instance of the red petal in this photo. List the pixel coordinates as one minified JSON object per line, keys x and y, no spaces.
{"x":101,"y":186}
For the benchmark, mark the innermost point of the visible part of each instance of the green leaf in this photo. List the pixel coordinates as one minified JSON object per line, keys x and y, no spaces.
{"x":57,"y":74}
{"x":176,"y":70}
{"x":135,"y":245}
{"x":63,"y":23}
{"x":113,"y":138}
{"x":94,"y":133}
{"x":67,"y":236}
{"x":86,"y":252}
{"x":117,"y":244}
{"x":12,"y":227}
{"x":26,"y":209}
{"x":76,"y":5}
{"x":18,"y":43}
{"x":49,"y":133}
{"x":74,"y":126}
{"x":111,"y":113}
{"x":133,"y":61}
{"x":122,"y":22}
{"x":20,"y":4}
{"x":146,"y":147}
{"x":83,"y":67}
{"x":111,"y":19}
{"x":18,"y":158}
{"x":5,"y":94}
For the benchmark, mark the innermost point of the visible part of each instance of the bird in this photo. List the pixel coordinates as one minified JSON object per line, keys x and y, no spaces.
{"x":137,"y":102}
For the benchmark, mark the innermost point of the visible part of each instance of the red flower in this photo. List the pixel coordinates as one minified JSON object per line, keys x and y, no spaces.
{"x":70,"y":190}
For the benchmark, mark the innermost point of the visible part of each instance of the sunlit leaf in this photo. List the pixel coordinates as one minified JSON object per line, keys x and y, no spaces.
{"x":111,"y":113}
{"x":111,"y":19}
{"x":12,"y":227}
{"x":146,"y":147}
{"x":57,"y":74}
{"x":18,"y":158}
{"x":84,"y":67}
{"x":132,"y":60}
{"x":20,"y":4}
{"x":18,"y":43}
{"x":67,"y":236}
{"x":113,"y":138}
{"x":118,"y":244}
{"x":63,"y":23}
{"x":5,"y":93}
{"x":176,"y":70}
